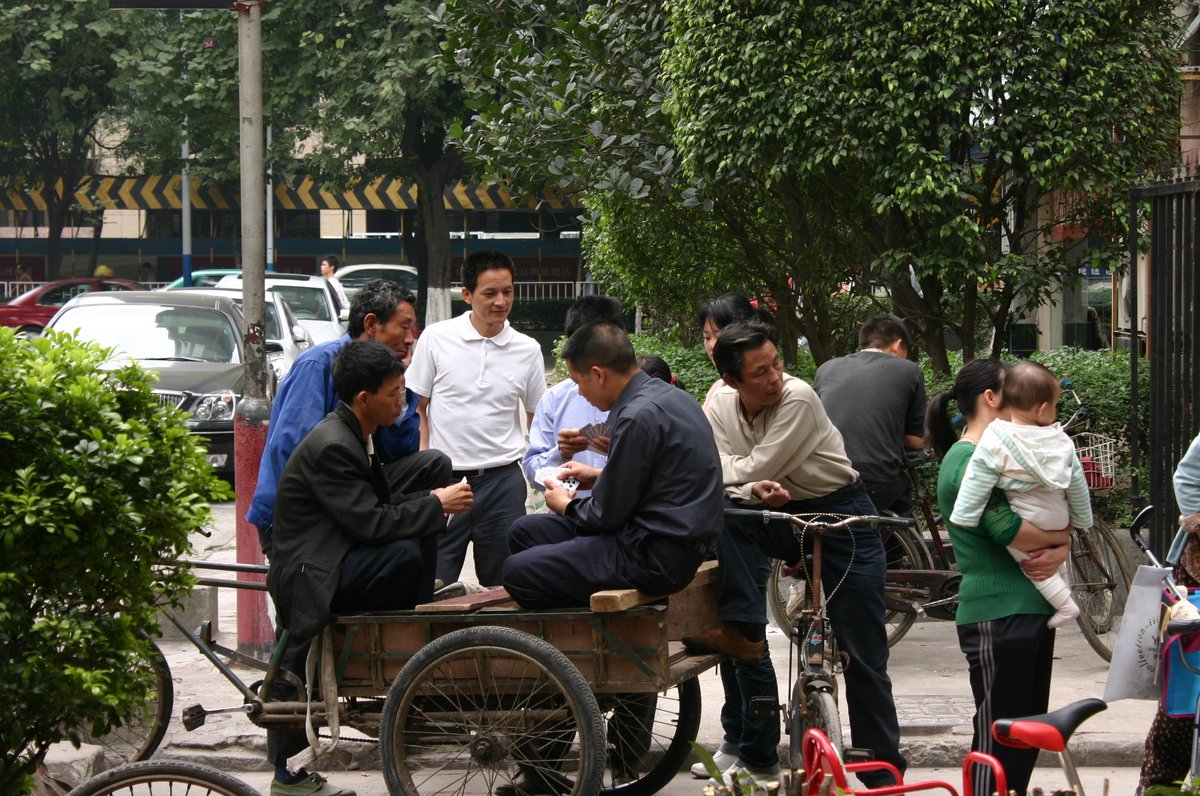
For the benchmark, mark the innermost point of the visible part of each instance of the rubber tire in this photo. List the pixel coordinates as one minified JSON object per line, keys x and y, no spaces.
{"x":163,"y":778}
{"x":537,"y":662}
{"x":822,"y":715}
{"x":780,"y":588}
{"x":687,"y":699}
{"x":1101,"y":607}
{"x":140,"y":735}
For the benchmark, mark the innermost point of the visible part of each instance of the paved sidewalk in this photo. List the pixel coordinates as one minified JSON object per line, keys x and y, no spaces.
{"x":928,"y":672}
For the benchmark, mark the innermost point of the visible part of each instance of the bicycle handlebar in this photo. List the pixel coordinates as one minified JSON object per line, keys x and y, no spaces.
{"x":802,"y":521}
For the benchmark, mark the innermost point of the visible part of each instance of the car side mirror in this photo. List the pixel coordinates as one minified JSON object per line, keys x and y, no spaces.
{"x":299,"y":335}
{"x":273,"y":347}
{"x":344,"y":314}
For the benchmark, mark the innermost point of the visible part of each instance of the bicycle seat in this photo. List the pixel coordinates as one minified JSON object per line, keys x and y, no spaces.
{"x":1049,"y":731}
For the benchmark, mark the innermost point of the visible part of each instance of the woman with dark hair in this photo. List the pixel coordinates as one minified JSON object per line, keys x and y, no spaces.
{"x":1001,"y":617}
{"x":656,"y":367}
{"x":719,"y":313}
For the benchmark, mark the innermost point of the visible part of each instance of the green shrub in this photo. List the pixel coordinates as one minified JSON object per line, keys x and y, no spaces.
{"x":99,"y":487}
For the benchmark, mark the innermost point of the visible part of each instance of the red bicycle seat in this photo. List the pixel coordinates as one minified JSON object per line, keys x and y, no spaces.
{"x":1049,"y":731}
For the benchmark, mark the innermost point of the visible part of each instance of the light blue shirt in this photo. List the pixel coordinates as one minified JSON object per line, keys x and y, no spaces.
{"x":561,"y":407}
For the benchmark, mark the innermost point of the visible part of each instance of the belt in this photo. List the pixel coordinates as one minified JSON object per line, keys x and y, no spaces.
{"x":478,"y":471}
{"x":845,"y":493}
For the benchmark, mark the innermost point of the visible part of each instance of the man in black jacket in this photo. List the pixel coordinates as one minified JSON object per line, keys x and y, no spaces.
{"x":342,"y":542}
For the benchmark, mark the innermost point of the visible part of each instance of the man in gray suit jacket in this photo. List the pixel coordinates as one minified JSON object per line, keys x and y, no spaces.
{"x":342,"y":542}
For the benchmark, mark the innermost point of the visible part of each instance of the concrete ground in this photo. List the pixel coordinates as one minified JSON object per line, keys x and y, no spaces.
{"x":929,"y":680}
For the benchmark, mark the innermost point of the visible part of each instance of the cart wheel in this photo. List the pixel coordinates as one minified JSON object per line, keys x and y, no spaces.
{"x":648,"y":741}
{"x":472,"y":704}
{"x":139,"y":734}
{"x":163,"y":778}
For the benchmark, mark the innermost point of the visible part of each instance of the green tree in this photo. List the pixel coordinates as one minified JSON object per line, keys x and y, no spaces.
{"x":573,"y":93}
{"x":352,"y":89}
{"x":58,"y":80}
{"x":100,"y":488}
{"x":938,"y":137}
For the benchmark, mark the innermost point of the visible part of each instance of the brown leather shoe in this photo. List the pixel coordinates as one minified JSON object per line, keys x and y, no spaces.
{"x":726,"y":640}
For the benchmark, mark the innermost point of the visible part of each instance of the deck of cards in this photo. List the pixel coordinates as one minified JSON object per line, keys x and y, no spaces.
{"x":593,"y":431}
{"x":544,"y":475}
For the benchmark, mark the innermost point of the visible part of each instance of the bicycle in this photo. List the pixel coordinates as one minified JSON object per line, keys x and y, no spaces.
{"x":824,"y":771}
{"x":1099,"y":573}
{"x":922,"y":579}
{"x":812,"y":681}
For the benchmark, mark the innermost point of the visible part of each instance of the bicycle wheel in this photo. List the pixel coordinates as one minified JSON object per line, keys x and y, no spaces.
{"x":660,"y":744}
{"x":787,"y":595}
{"x":1100,"y":579}
{"x":138,"y":736}
{"x":822,"y":715}
{"x":474,"y":707}
{"x":163,"y":778}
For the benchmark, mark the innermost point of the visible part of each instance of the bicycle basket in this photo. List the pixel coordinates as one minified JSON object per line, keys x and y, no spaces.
{"x":1098,"y":456}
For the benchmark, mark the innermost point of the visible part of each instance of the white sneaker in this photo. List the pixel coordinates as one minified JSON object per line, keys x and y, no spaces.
{"x":721,"y":759}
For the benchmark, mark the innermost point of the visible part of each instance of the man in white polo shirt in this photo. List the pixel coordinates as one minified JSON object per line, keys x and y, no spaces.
{"x":475,"y":374}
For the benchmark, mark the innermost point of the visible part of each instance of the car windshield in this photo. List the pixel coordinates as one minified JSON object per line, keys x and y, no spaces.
{"x":308,"y":303}
{"x":153,"y":331}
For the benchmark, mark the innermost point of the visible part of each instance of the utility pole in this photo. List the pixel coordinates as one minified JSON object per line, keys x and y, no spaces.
{"x":254,"y":411}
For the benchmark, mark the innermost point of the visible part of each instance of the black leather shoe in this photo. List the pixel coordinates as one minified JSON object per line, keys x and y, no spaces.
{"x":723,"y":639}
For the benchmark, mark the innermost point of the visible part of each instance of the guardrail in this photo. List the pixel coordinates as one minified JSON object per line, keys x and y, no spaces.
{"x":526,"y":291}
{"x":544,"y":291}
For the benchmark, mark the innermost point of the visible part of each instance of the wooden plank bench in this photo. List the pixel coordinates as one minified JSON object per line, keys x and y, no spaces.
{"x":468,"y":603}
{"x":611,"y":600}
{"x":689,"y":610}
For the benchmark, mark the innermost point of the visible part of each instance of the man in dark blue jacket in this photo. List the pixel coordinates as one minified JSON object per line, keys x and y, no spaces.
{"x":382,"y":311}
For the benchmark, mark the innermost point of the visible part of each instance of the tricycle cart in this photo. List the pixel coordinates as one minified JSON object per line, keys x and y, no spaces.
{"x":476,"y":689}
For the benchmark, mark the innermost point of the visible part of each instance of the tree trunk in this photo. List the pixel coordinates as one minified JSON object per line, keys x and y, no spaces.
{"x":432,"y":166}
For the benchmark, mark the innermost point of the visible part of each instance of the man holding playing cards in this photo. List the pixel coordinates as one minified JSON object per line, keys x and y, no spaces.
{"x":653,"y":509}
{"x":565,"y":426}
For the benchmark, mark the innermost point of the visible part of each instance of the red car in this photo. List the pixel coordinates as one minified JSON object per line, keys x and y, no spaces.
{"x":31,"y":311}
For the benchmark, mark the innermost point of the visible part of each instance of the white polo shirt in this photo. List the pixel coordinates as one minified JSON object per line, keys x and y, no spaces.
{"x":477,"y":388}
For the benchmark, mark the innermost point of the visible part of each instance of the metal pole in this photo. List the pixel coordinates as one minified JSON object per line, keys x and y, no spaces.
{"x":1135,"y":198}
{"x":254,"y":411}
{"x":185,"y":201}
{"x":270,"y":212}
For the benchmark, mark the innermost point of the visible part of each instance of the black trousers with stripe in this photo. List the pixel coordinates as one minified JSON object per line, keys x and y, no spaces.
{"x":1010,"y":662}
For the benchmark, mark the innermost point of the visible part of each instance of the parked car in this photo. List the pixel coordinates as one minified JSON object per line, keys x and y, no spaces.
{"x":310,"y":297}
{"x":286,"y":336}
{"x":205,"y":277}
{"x":192,"y":340}
{"x":353,"y":277}
{"x":31,"y":311}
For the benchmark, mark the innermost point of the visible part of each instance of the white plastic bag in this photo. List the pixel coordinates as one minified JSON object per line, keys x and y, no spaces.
{"x":1135,"y":656}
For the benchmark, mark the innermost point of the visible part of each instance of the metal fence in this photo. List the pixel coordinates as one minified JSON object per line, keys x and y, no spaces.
{"x":1173,"y":336}
{"x":525,"y":291}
